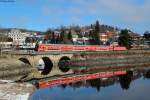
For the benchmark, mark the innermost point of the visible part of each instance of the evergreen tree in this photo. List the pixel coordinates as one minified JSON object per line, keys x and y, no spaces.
{"x":96,"y":38}
{"x":97,"y":27}
{"x":53,"y":40}
{"x":49,"y":34}
{"x":91,"y":38}
{"x":95,"y":34}
{"x":147,"y":35}
{"x":124,"y":39}
{"x":70,"y":35}
{"x":91,"y":26}
{"x":62,"y":35}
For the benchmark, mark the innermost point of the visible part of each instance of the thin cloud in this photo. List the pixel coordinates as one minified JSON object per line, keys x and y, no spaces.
{"x":125,"y":10}
{"x":19,"y":21}
{"x":122,"y":9}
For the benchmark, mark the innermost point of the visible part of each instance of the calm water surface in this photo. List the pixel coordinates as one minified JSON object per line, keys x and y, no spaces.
{"x":132,"y":86}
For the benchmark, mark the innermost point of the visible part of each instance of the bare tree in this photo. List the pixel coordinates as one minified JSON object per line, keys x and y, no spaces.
{"x":2,"y":40}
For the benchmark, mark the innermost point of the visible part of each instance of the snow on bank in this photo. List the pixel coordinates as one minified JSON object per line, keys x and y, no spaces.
{"x":15,"y":91}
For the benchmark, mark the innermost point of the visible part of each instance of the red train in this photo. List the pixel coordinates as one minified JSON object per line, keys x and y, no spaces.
{"x":64,"y":47}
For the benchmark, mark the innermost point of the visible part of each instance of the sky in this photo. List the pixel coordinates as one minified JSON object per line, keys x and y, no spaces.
{"x":43,"y":14}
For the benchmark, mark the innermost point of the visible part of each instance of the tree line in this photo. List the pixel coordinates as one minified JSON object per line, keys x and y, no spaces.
{"x":65,"y":36}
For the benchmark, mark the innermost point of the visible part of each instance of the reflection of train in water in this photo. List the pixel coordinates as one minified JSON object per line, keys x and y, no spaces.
{"x":99,"y":78}
{"x":75,"y":78}
{"x":65,"y":47}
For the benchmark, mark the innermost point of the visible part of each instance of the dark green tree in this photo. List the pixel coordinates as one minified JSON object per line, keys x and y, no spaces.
{"x":94,"y":35}
{"x":92,"y":26}
{"x":97,"y":27}
{"x":53,"y":40}
{"x":125,"y":39}
{"x":147,"y":35}
{"x":48,"y":34}
{"x":62,"y":35}
{"x":96,"y":38}
{"x":91,"y":35}
{"x":70,"y":35}
{"x":29,"y":40}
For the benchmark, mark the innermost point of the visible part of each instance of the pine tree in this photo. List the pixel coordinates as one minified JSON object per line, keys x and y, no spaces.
{"x":53,"y":38}
{"x":49,"y":34}
{"x":70,"y":35}
{"x":97,"y":27}
{"x":62,"y":35}
{"x":91,"y":38}
{"x":95,"y":35}
{"x":124,"y":39}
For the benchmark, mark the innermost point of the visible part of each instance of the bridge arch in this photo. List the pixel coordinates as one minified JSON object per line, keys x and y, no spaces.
{"x":45,"y":65}
{"x":25,"y":60}
{"x":63,"y":64}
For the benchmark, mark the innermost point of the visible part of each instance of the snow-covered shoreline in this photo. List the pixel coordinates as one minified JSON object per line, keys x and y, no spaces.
{"x":10,"y":90}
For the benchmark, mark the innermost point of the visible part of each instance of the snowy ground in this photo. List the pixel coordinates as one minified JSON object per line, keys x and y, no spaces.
{"x":15,"y":91}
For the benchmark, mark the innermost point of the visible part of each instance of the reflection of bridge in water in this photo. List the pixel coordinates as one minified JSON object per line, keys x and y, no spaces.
{"x":97,"y":80}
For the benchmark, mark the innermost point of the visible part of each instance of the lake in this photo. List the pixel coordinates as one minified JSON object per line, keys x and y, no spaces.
{"x":134,"y":85}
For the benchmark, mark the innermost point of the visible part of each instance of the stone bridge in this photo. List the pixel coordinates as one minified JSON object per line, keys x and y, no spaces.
{"x":50,"y":65}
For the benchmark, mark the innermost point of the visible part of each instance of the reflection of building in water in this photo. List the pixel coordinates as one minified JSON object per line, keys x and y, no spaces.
{"x":94,"y":83}
{"x":109,"y":81}
{"x":146,"y":74}
{"x":124,"y":80}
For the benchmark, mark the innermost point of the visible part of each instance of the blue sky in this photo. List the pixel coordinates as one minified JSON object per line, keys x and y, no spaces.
{"x":44,"y":14}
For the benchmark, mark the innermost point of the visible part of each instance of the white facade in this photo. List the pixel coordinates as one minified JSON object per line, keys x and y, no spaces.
{"x":81,"y":41}
{"x":18,"y":36}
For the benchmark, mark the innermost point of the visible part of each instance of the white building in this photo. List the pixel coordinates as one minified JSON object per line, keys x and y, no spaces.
{"x":81,"y":41}
{"x":18,"y":36}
